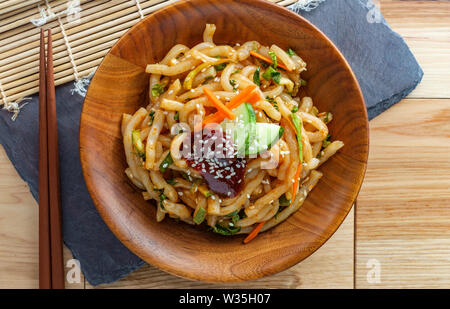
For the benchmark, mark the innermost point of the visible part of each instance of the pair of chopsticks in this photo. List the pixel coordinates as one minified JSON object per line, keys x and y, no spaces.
{"x":51,"y":267}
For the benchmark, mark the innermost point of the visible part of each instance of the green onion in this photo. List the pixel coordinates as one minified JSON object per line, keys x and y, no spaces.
{"x":207,"y":78}
{"x":220,"y":67}
{"x":268,"y":73}
{"x":237,"y":71}
{"x":165,"y":164}
{"x":274,"y":59}
{"x":284,"y":201}
{"x":234,"y":216}
{"x":298,"y":127}
{"x":233,"y":83}
{"x":295,"y":109}
{"x":172,"y":182}
{"x":176,"y":116}
{"x":200,"y":216}
{"x":326,"y":142}
{"x":152,"y":117}
{"x":303,"y":82}
{"x":327,"y":117}
{"x":273,"y":102}
{"x":276,"y":77}
{"x":157,"y":90}
{"x":137,"y":143}
{"x":290,"y":52}
{"x":271,"y":73}
{"x":204,"y":190}
{"x":225,"y":230}
{"x":256,"y":76}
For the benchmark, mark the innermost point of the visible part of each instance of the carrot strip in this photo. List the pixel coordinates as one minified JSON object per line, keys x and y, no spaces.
{"x":219,"y":105}
{"x":214,"y":118}
{"x":254,"y":97}
{"x":242,"y":97}
{"x":295,"y":185}
{"x":264,"y":58}
{"x":253,"y":233}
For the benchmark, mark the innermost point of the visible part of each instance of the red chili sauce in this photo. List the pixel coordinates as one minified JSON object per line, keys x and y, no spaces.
{"x":215,"y":157}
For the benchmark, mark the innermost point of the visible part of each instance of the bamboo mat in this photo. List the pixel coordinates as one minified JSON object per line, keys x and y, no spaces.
{"x":83,"y":32}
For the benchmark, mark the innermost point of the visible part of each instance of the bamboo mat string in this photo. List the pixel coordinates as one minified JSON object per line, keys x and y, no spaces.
{"x":308,"y":5}
{"x":138,"y":4}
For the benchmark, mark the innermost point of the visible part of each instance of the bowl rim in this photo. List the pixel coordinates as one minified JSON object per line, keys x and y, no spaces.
{"x":277,"y":267}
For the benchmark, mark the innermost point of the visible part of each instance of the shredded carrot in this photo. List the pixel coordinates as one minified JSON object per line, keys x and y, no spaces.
{"x":295,"y":185}
{"x":243,"y":96}
{"x":214,"y":118}
{"x":219,"y":105}
{"x":254,"y":97}
{"x":253,"y":233}
{"x":264,"y":58}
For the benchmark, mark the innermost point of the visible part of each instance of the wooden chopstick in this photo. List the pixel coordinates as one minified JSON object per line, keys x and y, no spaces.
{"x":51,"y":267}
{"x":53,"y":174}
{"x":44,"y":215}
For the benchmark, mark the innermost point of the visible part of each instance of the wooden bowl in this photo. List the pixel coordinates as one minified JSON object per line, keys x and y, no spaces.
{"x":120,"y":85}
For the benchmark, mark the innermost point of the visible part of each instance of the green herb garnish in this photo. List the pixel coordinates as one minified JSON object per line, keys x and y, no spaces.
{"x":172,"y":182}
{"x":207,"y":78}
{"x":290,"y":52}
{"x":303,"y":82}
{"x":165,"y":164}
{"x":273,"y":102}
{"x":234,"y":216}
{"x":273,"y":74}
{"x":233,"y":83}
{"x":152,"y":117}
{"x":176,"y":117}
{"x":226,"y":230}
{"x":220,"y":67}
{"x":257,"y":77}
{"x":297,"y":122}
{"x":237,"y":71}
{"x":157,"y":90}
{"x":200,"y":216}
{"x":295,"y":109}
{"x":326,"y":142}
{"x":137,"y":143}
{"x":274,"y":59}
{"x":284,"y":201}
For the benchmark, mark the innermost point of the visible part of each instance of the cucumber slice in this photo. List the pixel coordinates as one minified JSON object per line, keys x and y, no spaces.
{"x":243,"y":128}
{"x":250,"y":137}
{"x":266,"y":135}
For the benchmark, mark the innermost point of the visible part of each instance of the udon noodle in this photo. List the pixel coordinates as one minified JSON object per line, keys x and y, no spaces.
{"x":193,"y":88}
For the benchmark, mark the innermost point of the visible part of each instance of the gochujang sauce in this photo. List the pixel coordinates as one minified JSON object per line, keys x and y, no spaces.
{"x":215,"y":157}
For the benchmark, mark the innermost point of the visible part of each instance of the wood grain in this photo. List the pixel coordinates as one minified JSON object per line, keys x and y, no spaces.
{"x":329,"y":267}
{"x":418,"y":261}
{"x":19,"y":262}
{"x":425,"y":27}
{"x":184,"y":250}
{"x":403,"y":219}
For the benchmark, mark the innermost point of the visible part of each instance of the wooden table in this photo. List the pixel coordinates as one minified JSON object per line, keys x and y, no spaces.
{"x":400,"y":225}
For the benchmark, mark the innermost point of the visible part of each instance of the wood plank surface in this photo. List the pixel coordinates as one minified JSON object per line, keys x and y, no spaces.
{"x":425,"y":26}
{"x":19,"y":248}
{"x":329,"y":267}
{"x":403,"y":214}
{"x":402,"y":217}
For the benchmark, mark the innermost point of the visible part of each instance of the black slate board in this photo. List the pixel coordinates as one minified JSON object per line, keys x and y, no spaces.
{"x":382,"y":62}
